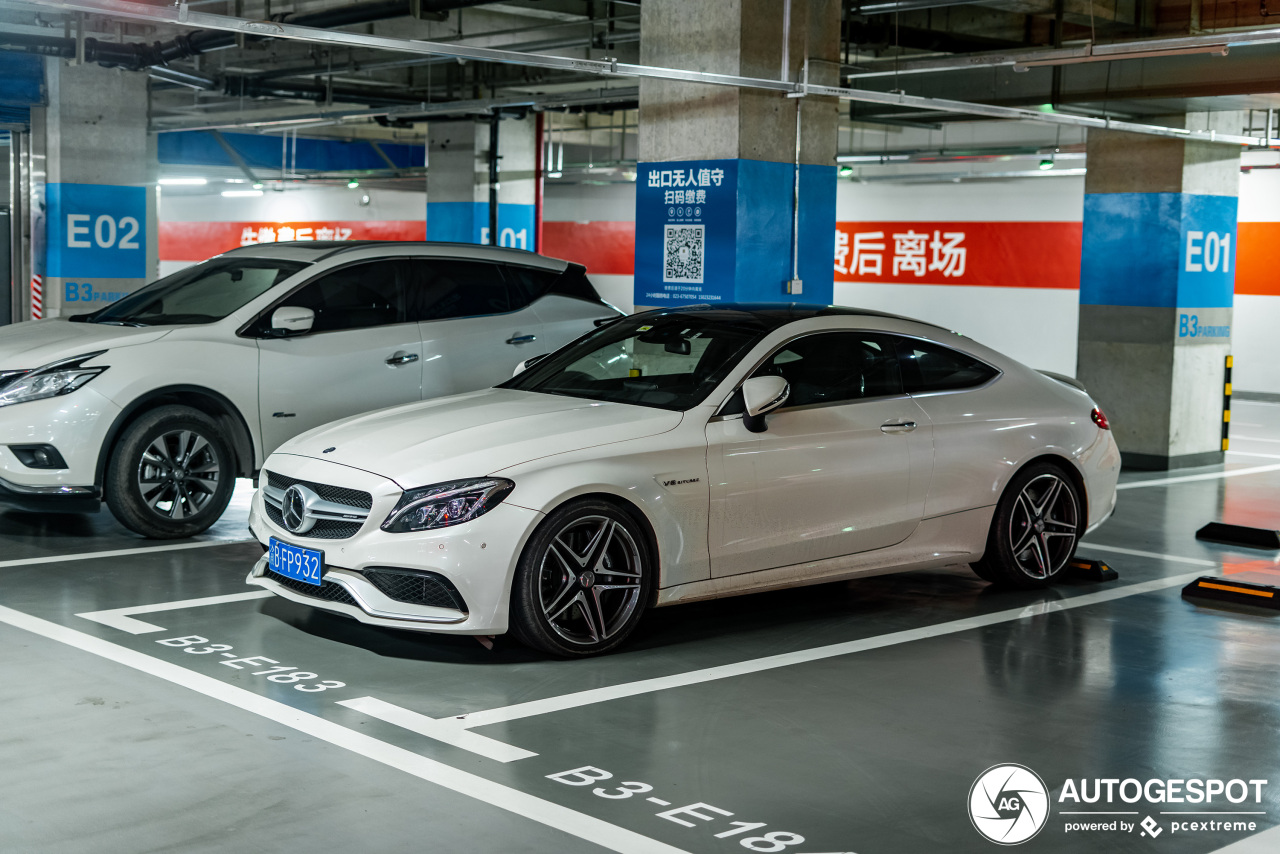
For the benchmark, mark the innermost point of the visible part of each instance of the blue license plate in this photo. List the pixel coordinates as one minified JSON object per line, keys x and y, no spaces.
{"x":296,"y":562}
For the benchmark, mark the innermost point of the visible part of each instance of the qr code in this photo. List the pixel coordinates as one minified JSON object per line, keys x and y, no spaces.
{"x":683,"y":251}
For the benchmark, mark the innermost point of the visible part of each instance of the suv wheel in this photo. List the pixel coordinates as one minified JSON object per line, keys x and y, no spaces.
{"x":171,"y":474}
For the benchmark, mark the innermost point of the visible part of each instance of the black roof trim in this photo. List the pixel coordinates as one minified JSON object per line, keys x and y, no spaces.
{"x":779,"y":314}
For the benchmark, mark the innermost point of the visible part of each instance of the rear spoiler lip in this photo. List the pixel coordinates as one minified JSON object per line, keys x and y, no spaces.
{"x":1063,"y":378}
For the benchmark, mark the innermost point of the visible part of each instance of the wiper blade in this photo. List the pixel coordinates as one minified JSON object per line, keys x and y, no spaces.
{"x":133,"y":323}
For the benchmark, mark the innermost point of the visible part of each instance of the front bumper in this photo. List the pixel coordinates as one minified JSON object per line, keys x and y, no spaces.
{"x":76,"y":424}
{"x":478,"y":558}
{"x":50,"y":499}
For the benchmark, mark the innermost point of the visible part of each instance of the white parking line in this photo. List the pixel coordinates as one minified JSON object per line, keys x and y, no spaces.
{"x":203,"y":544}
{"x":447,"y":730}
{"x":1252,"y":439}
{"x":1194,"y":561}
{"x":1213,"y":475}
{"x":742,"y":668}
{"x":581,"y":825}
{"x":1252,"y":454}
{"x":118,"y":618}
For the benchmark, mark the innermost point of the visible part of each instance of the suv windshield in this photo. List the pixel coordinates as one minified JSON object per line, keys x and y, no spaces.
{"x":669,"y":361}
{"x":204,"y":293}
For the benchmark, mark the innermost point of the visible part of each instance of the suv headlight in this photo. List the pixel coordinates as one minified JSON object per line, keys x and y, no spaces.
{"x":52,"y":380}
{"x":444,"y":504}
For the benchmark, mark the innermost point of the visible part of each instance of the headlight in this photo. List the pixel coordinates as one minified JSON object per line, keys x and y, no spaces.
{"x":54,"y":379}
{"x":445,"y":504}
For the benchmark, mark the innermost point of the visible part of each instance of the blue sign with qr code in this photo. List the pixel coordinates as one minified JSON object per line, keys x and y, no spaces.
{"x":712,"y":231}
{"x":686,"y":232}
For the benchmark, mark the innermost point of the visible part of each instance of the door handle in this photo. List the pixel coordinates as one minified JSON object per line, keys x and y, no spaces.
{"x":522,"y":339}
{"x":897,"y":426}
{"x":402,"y":358}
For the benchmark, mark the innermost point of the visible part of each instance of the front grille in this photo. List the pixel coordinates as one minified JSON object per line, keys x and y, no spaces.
{"x":325,"y":529}
{"x":336,"y":494}
{"x":416,"y":587}
{"x":327,"y":591}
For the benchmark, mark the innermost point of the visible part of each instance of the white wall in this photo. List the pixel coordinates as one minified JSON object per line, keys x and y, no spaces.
{"x":1255,"y":340}
{"x":303,"y":204}
{"x":1036,"y":326}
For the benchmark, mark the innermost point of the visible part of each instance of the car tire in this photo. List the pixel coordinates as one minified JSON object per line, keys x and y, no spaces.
{"x":582,"y":582}
{"x":1036,"y":528}
{"x":171,"y":474}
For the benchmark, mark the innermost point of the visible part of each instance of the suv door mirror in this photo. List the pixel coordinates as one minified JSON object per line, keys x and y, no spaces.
{"x":760,"y":396}
{"x":292,"y":320}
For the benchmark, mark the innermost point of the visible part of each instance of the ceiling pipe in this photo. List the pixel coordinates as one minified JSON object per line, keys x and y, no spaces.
{"x":1087,"y":52}
{"x":137,"y":56}
{"x":138,"y":11}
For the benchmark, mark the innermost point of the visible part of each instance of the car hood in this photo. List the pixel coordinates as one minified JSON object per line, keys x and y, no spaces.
{"x":25,"y":346}
{"x":475,"y":434}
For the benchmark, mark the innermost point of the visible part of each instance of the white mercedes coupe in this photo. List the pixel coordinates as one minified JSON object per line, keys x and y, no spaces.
{"x":686,"y":454}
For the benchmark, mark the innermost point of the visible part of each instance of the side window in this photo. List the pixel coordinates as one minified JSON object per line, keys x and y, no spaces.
{"x":932,"y":367}
{"x":831,"y":367}
{"x":441,"y":288}
{"x":527,"y":284}
{"x":355,"y":297}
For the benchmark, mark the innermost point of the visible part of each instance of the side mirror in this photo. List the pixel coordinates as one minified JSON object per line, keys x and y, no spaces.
{"x":760,"y":396}
{"x":292,"y":320}
{"x":528,"y":363}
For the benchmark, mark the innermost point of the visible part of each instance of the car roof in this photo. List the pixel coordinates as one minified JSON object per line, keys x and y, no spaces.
{"x":319,"y":250}
{"x":775,"y":315}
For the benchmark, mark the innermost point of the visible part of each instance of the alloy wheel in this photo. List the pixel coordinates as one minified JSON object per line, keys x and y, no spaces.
{"x":1044,"y":526}
{"x":178,"y":474}
{"x":589,"y":580}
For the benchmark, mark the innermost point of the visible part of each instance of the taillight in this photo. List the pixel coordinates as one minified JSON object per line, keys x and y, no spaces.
{"x":1100,"y":419}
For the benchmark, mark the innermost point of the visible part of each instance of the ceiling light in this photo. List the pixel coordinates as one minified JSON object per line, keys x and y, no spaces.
{"x":846,"y":171}
{"x":871,"y":158}
{"x":237,"y":194}
{"x":184,"y":182}
{"x":257,"y":185}
{"x":1046,"y":164}
{"x":352,"y":184}
{"x":555,"y":174}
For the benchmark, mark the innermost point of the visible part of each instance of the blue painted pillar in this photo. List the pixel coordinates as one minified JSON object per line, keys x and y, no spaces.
{"x":458,"y":183}
{"x":1157,"y":279}
{"x":716,"y":182}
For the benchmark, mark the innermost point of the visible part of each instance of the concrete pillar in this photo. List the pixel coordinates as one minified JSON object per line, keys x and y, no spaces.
{"x":458,"y":182}
{"x":99,"y":195}
{"x":1157,"y":278}
{"x":714,"y":198}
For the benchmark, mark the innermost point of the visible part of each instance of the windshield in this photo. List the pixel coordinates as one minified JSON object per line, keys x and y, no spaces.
{"x":204,"y":293}
{"x":668,"y":361}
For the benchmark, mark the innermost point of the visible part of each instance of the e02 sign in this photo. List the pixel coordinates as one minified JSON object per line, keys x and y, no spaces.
{"x":97,"y":231}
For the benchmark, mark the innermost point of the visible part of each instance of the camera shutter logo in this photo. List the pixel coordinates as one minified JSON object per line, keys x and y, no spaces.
{"x":1008,"y":804}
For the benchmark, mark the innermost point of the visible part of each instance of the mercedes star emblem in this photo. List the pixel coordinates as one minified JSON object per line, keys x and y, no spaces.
{"x":294,"y":510}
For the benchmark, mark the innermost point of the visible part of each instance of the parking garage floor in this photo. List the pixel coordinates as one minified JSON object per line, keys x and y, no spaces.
{"x":139,"y":713}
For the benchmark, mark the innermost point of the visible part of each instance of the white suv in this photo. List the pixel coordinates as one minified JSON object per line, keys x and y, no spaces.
{"x":158,"y":402}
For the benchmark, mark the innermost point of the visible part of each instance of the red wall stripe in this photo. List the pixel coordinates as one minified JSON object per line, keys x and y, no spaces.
{"x":196,"y":241}
{"x":998,"y":254}
{"x":1258,"y":258}
{"x":605,"y":248}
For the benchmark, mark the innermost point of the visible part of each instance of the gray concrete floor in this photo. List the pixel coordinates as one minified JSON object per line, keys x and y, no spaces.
{"x":112,"y":742}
